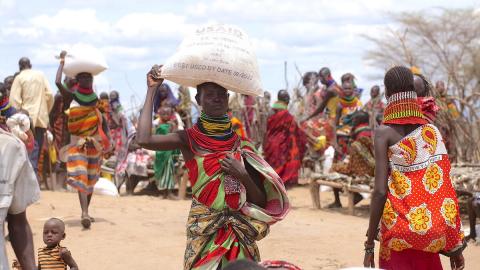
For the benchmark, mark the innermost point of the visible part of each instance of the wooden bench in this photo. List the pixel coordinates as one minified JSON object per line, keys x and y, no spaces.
{"x":345,"y":184}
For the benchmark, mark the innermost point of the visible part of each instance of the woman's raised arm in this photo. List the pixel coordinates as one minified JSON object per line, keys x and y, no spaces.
{"x":145,"y":138}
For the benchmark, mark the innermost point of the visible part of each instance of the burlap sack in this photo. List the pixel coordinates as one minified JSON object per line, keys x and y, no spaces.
{"x":217,"y":53}
{"x":84,"y":58}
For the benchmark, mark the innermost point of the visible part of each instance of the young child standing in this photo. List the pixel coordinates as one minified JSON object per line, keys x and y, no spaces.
{"x":54,"y":256}
{"x":164,"y":160}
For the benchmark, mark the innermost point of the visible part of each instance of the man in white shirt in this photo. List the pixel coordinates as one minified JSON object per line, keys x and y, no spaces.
{"x":18,"y":189}
{"x":31,"y":92}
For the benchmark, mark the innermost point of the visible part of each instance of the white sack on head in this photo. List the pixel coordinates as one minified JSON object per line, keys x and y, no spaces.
{"x":84,"y":58}
{"x":217,"y":53}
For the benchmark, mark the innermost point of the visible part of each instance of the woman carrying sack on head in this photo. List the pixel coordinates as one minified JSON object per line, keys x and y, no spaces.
{"x":236,"y":194}
{"x":89,"y":139}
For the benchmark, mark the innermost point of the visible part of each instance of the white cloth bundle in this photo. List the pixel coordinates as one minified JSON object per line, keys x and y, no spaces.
{"x":84,"y":58}
{"x":217,"y":53}
{"x":19,"y":124}
{"x":105,"y":187}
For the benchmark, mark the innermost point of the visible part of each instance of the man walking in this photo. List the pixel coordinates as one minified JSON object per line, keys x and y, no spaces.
{"x":31,"y":92}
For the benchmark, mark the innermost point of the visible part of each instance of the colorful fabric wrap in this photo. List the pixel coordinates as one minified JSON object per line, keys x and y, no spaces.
{"x":104,"y":106}
{"x":403,"y":108}
{"x":421,"y":211}
{"x":86,"y":121}
{"x":429,"y":108}
{"x":285,"y":146}
{"x":6,"y":108}
{"x":164,"y":162}
{"x":362,"y":130}
{"x":222,"y":225}
{"x":330,"y":81}
{"x":238,"y":127}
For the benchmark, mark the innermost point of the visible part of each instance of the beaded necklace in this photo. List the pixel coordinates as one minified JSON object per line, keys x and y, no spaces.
{"x":219,"y":128}
{"x":402,"y":109}
{"x":84,"y":96}
{"x":280,"y":105}
{"x":350,"y":101}
{"x":213,"y":133}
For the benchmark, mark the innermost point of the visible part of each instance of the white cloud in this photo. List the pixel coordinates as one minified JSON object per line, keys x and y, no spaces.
{"x":148,"y":25}
{"x":22,"y":32}
{"x":283,"y":11}
{"x":265,"y":47}
{"x":125,"y":52}
{"x":6,"y":4}
{"x":83,"y":21}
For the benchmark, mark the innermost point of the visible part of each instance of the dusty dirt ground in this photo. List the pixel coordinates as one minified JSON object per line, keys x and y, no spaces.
{"x":144,"y":232}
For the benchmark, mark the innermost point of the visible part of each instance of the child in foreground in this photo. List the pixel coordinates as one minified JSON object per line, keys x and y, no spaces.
{"x":54,"y":256}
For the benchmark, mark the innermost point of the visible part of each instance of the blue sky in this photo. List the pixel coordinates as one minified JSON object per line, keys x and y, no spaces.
{"x":134,"y":35}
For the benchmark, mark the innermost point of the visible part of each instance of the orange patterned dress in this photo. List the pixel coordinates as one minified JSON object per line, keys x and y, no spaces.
{"x":421,"y":214}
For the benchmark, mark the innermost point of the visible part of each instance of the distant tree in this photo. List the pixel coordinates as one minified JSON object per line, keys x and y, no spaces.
{"x":445,"y":45}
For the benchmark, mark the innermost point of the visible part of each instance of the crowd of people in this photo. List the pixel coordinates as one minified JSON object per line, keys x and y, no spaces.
{"x":238,"y":153}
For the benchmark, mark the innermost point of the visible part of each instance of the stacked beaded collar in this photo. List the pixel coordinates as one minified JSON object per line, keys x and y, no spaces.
{"x":348,"y":102}
{"x":403,"y":109}
{"x":218,"y":127}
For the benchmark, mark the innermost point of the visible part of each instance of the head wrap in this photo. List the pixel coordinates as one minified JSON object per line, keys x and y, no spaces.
{"x":171,"y":99}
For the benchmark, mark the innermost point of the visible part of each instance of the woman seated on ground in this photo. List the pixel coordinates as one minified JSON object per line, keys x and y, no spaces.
{"x":236,"y":194}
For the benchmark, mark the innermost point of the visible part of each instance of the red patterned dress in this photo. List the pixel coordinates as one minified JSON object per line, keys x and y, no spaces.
{"x":421,"y":215}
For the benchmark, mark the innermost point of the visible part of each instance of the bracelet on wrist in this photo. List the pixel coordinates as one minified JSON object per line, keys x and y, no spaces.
{"x":369,"y":245}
